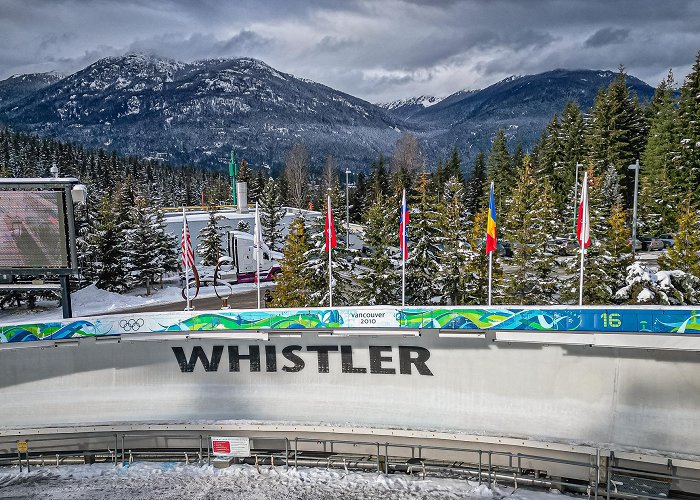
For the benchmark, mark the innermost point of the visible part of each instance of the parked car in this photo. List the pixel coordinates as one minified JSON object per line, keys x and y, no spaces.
{"x":564,"y":245}
{"x":637,"y":244}
{"x":669,"y":239}
{"x":650,"y":244}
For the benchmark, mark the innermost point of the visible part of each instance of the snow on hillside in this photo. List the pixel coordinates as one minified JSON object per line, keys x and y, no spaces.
{"x":423,"y":101}
{"x":156,"y":481}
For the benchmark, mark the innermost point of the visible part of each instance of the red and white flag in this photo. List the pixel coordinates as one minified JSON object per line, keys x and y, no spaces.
{"x":329,"y":228}
{"x":186,"y":244}
{"x":583,"y":223}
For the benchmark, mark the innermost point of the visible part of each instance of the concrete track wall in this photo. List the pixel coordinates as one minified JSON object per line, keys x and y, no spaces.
{"x":626,"y":398}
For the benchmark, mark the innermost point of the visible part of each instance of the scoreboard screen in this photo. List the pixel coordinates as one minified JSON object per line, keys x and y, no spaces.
{"x":33,"y":230}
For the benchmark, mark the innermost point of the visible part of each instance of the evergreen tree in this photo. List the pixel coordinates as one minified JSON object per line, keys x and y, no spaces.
{"x":358,"y":197}
{"x":684,"y":255}
{"x":108,"y":269}
{"x":243,"y":226}
{"x":317,"y":264}
{"x":475,"y":198}
{"x":380,"y":279}
{"x":141,"y":247}
{"x":688,"y":171}
{"x":647,"y":286}
{"x":271,"y":214}
{"x":500,"y":170}
{"x":616,"y":132}
{"x":476,"y":278}
{"x":533,"y":226}
{"x":210,"y":248}
{"x":379,"y":180}
{"x":456,"y":252}
{"x":657,"y":196}
{"x":293,"y":283}
{"x":423,"y":264}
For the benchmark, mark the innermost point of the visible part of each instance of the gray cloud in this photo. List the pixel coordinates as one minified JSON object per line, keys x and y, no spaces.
{"x":375,"y":50}
{"x":607,"y":36}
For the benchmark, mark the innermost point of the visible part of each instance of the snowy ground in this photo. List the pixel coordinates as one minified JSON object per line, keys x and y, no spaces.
{"x":92,"y":301}
{"x":177,"y":481}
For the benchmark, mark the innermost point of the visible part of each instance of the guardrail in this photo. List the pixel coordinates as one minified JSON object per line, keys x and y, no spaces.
{"x":651,"y":320}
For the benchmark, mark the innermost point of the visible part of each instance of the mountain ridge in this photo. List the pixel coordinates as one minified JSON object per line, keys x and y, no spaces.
{"x":194,"y":113}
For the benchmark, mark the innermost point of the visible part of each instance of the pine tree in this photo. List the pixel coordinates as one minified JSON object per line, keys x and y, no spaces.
{"x":499,"y":169}
{"x":243,"y":226}
{"x":657,"y":196}
{"x":423,"y":264}
{"x":380,"y":281}
{"x":648,"y":286}
{"x":688,"y":171}
{"x":358,"y":199}
{"x":474,"y":198}
{"x":476,"y":271}
{"x":533,"y":223}
{"x":293,"y":283}
{"x":616,"y":133}
{"x":271,"y":214}
{"x":684,"y":255}
{"x":141,"y":249}
{"x":317,"y":265}
{"x":108,"y":267}
{"x":379,"y":180}
{"x":456,"y":251}
{"x":210,"y":248}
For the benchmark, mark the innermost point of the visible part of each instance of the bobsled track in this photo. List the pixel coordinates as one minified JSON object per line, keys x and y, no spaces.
{"x":579,"y":396}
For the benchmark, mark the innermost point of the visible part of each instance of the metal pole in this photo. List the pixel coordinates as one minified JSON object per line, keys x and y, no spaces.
{"x":635,"y":167}
{"x":330,"y":251}
{"x":490,"y":270}
{"x":576,"y":193}
{"x":580,"y":285}
{"x":347,"y":208}
{"x":65,"y":296}
{"x":258,"y":237}
{"x":186,"y":250}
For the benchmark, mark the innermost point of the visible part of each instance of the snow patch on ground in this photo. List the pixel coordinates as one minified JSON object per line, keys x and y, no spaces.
{"x":91,"y":301}
{"x":178,"y":481}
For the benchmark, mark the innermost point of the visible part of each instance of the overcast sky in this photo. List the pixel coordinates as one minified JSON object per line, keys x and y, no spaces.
{"x":377,"y":50}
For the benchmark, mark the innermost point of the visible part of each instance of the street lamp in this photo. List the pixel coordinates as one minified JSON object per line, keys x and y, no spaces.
{"x":635,"y":166}
{"x":347,"y":208}
{"x":576,"y":192}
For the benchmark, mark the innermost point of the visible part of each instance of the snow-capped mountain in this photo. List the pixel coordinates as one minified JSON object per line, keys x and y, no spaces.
{"x":405,"y":108}
{"x":194,"y":113}
{"x":18,"y":86}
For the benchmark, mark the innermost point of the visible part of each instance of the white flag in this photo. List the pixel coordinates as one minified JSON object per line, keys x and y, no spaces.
{"x":257,"y":234}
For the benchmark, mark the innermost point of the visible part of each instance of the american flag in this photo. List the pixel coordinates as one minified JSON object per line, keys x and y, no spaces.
{"x":187,"y":250}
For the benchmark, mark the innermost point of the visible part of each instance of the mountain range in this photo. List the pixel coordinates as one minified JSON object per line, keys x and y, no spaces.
{"x":194,"y":113}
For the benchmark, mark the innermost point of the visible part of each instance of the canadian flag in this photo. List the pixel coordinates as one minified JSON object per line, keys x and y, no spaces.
{"x":583,"y":223}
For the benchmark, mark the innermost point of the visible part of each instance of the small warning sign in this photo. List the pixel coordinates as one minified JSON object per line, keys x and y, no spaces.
{"x":22,"y":446}
{"x":230,"y":446}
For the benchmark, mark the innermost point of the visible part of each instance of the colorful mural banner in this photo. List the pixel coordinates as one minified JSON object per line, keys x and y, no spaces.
{"x":534,"y":319}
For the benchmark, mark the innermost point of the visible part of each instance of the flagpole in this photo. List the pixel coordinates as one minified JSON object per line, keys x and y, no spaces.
{"x":403,"y":251}
{"x":580,"y":286}
{"x":257,"y":250}
{"x":187,"y":267}
{"x":330,"y":249}
{"x":490,"y":268}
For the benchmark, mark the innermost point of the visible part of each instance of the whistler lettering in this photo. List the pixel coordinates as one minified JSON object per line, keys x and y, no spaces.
{"x":382,"y":359}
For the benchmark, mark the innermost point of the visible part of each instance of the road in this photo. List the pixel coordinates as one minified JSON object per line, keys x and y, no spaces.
{"x":247,"y":300}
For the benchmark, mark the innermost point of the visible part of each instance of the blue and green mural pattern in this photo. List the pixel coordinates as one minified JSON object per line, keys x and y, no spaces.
{"x":554,"y":319}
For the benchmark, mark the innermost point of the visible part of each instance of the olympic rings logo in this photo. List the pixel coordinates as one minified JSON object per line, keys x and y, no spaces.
{"x":131,"y":325}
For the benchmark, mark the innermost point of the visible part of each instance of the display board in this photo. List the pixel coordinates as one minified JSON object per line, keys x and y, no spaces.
{"x":669,"y":320}
{"x":33,"y":230}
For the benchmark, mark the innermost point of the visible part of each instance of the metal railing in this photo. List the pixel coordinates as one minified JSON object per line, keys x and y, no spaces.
{"x":482,"y":465}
